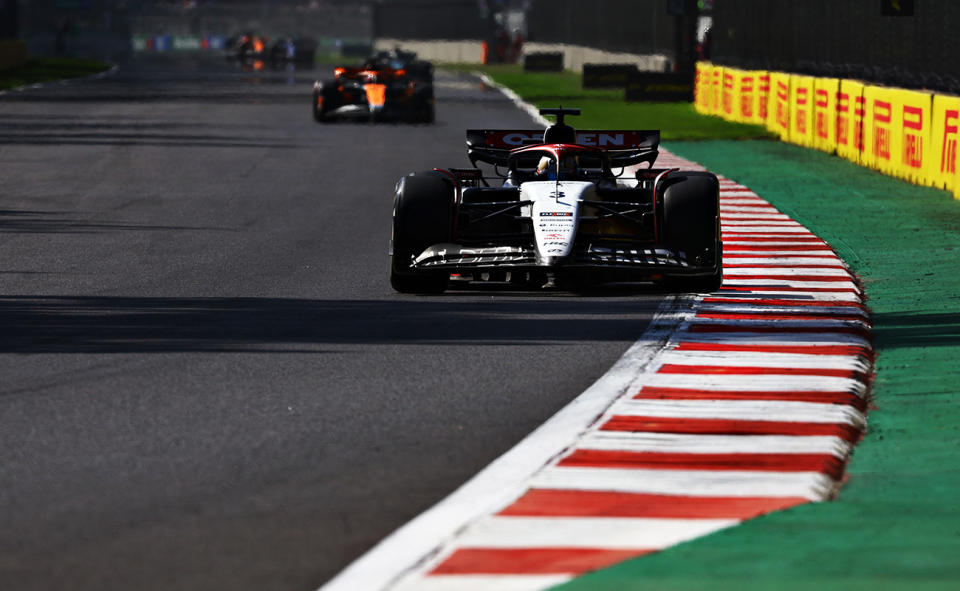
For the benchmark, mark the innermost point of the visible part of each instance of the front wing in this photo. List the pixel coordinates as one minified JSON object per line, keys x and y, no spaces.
{"x":644,"y":262}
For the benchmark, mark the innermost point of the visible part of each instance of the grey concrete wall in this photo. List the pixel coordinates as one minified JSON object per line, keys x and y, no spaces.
{"x":573,"y":56}
{"x":469,"y":52}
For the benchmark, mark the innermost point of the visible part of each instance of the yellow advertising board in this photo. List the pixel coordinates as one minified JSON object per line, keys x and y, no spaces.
{"x":762,"y":97}
{"x":850,"y":120}
{"x":745,"y":94}
{"x":913,"y":129}
{"x":801,"y":110}
{"x":880,"y":143}
{"x":942,"y":164}
{"x":825,"y":113}
{"x":716,"y":88}
{"x":909,"y":134}
{"x":778,"y":107}
{"x":748,"y":96}
{"x":728,"y":105}
{"x":701,"y":88}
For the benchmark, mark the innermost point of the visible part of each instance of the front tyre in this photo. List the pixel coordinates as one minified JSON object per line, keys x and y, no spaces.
{"x":422,"y":214}
{"x":691,"y":225}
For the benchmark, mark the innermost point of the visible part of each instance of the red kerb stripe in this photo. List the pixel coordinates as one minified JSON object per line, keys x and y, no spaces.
{"x":850,"y":350}
{"x":778,"y":217}
{"x":577,"y":503}
{"x":733,"y":328}
{"x":779,"y":266}
{"x":531,"y":561}
{"x":801,"y":239}
{"x":775,"y":315}
{"x":644,"y":460}
{"x":775,"y":247}
{"x":780,"y":302}
{"x":728,"y":427}
{"x":775,"y":287}
{"x":674,"y":368}
{"x":814,"y":396}
{"x":800,"y":255}
{"x":831,"y":278}
{"x":806,"y":235}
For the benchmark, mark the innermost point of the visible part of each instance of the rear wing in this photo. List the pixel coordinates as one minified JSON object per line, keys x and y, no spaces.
{"x":353,"y":72}
{"x":623,"y":147}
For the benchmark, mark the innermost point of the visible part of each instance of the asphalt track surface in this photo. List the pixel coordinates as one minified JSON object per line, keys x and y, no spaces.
{"x":206,"y":381}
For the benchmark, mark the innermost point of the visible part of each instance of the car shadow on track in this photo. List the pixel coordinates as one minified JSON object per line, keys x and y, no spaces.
{"x":26,"y":221}
{"x":35,"y":324}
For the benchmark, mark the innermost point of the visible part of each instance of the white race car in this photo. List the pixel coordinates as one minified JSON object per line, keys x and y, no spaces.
{"x":557,"y":208}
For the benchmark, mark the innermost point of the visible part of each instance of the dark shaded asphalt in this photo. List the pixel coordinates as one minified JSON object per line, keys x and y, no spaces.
{"x":206,"y":381}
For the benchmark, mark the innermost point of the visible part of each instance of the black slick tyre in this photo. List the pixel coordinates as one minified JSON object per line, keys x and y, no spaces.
{"x":691,"y":225}
{"x":423,"y":107}
{"x":422,"y":213}
{"x":321,"y":109}
{"x":318,"y":114}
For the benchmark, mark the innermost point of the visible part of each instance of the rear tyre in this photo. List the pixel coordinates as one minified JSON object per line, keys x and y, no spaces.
{"x":421,"y":218}
{"x":321,"y":110}
{"x":318,"y":114}
{"x":691,"y":225}
{"x":429,"y":113}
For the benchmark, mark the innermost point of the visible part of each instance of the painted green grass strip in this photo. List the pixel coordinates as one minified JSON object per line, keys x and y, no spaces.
{"x":896,"y":523}
{"x":606,"y":109}
{"x":48,"y":69}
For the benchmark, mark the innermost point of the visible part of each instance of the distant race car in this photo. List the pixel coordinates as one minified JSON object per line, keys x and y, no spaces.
{"x":299,"y":50}
{"x":389,"y":86}
{"x":246,"y":46}
{"x":559,"y":210}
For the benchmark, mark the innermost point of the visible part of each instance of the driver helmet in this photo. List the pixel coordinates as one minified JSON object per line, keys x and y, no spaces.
{"x":569,"y":166}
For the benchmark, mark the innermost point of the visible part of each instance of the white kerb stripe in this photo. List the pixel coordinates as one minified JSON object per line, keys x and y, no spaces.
{"x":754,"y":383}
{"x":614,"y":533}
{"x":753,"y":216}
{"x":785,"y":271}
{"x":796,"y":259}
{"x":764,"y":229}
{"x":694,"y":483}
{"x":769,"y":360}
{"x":745,"y":410}
{"x":715,"y":444}
{"x":764,"y":338}
{"x":746,"y":309}
{"x":825,"y":323}
{"x":731,"y":211}
{"x":767,"y":291}
{"x":482,"y":582}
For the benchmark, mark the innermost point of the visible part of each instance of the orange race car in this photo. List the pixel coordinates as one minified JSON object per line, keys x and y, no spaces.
{"x":389,"y":86}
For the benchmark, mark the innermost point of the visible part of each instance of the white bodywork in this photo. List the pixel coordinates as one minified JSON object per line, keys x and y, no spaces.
{"x":555,"y":212}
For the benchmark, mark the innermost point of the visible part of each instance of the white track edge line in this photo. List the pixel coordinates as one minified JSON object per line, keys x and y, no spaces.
{"x":519,"y":102}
